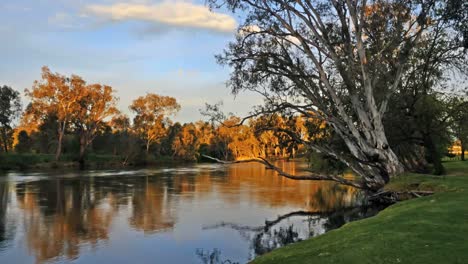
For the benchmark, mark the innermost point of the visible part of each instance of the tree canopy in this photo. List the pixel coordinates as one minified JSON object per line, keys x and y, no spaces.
{"x":343,"y":62}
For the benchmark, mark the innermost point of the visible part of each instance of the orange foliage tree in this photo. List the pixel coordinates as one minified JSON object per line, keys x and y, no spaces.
{"x":56,"y":95}
{"x":187,"y":142}
{"x":151,"y":119}
{"x":97,"y":103}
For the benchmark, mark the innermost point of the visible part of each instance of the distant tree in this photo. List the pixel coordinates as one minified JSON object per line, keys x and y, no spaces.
{"x":56,"y":95}
{"x":125,"y":142}
{"x":10,"y":108}
{"x":45,"y":137}
{"x":459,"y":121}
{"x":151,"y":116}
{"x":120,"y":123}
{"x":96,"y":104}
{"x":167,"y":142}
{"x":187,"y":142}
{"x":225,"y":136}
{"x":24,"y":142}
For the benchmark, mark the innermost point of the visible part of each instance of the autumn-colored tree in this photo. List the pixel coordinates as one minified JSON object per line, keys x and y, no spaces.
{"x":151,"y":121}
{"x":236,"y":141}
{"x":120,"y":123}
{"x":95,"y":105}
{"x":224,"y":136}
{"x":191,"y":138}
{"x":206,"y":132}
{"x":187,"y":142}
{"x":56,"y":95}
{"x":266,"y":128}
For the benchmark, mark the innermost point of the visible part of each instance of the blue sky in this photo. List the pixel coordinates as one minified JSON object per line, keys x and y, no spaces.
{"x":136,"y":46}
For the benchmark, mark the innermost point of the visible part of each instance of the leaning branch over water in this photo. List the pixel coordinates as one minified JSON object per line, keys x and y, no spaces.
{"x":310,"y":177}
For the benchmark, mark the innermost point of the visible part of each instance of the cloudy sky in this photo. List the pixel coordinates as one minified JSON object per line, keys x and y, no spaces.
{"x":136,"y":46}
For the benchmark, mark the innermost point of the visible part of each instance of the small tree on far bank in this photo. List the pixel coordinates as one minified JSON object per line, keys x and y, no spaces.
{"x":151,"y":120}
{"x":459,"y":122}
{"x":24,"y":142}
{"x":96,"y":104}
{"x":10,"y":108}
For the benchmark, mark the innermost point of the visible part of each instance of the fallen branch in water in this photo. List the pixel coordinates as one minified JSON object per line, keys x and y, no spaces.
{"x":311,"y":177}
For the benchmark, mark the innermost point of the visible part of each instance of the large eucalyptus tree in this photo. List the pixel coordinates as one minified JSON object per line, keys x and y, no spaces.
{"x":337,"y":60}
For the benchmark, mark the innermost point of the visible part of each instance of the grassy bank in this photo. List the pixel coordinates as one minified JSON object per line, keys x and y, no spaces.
{"x":431,"y":229}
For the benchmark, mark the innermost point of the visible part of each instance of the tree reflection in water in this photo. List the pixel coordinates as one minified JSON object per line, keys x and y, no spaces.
{"x":65,"y":216}
{"x":296,"y":226}
{"x":6,"y":228}
{"x":212,"y":257}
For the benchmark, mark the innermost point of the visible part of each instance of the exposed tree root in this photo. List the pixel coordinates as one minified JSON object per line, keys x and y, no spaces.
{"x":391,"y":197}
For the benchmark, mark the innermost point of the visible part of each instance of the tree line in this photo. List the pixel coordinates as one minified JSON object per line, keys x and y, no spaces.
{"x":66,"y":115}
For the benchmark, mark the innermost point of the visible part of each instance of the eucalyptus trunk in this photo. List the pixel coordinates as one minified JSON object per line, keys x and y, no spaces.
{"x":61,"y":132}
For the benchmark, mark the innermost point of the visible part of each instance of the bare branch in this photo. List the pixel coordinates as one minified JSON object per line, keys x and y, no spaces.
{"x":314,"y":177}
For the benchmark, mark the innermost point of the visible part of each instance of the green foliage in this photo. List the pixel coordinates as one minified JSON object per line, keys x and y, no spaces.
{"x":23,"y":161}
{"x":10,"y":108}
{"x":321,"y":163}
{"x":24,"y":143}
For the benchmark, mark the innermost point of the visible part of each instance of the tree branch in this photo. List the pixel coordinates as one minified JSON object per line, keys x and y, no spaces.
{"x":313,"y":177}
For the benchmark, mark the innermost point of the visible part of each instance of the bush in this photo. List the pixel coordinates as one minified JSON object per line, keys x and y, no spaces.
{"x":22,"y":161}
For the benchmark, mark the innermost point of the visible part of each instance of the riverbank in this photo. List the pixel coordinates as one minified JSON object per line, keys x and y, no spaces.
{"x":29,"y":161}
{"x":431,"y":229}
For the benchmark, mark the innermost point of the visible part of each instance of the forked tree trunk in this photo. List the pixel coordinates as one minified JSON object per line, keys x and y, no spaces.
{"x":378,"y":175}
{"x":372,"y":158}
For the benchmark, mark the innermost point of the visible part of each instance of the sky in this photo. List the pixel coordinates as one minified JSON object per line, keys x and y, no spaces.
{"x":136,"y":46}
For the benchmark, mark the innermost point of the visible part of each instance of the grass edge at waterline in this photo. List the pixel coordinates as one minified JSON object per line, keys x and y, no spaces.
{"x":431,"y":229}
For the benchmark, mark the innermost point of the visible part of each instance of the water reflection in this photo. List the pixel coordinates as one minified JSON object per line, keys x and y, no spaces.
{"x":179,"y":214}
{"x":296,"y":226}
{"x":212,"y":257}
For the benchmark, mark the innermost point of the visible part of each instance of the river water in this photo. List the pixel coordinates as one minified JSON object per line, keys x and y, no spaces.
{"x":205,"y":213}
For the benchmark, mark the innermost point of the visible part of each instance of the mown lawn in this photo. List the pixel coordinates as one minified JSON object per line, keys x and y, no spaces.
{"x":431,"y":229}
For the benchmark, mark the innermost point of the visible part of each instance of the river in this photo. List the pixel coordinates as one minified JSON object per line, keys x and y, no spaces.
{"x":204,"y":213}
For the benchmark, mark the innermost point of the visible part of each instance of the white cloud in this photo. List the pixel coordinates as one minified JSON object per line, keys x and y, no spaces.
{"x":249,"y":29}
{"x":179,"y":14}
{"x":245,"y":30}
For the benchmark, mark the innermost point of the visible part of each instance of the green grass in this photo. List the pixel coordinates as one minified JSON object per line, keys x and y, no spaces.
{"x":431,"y":229}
